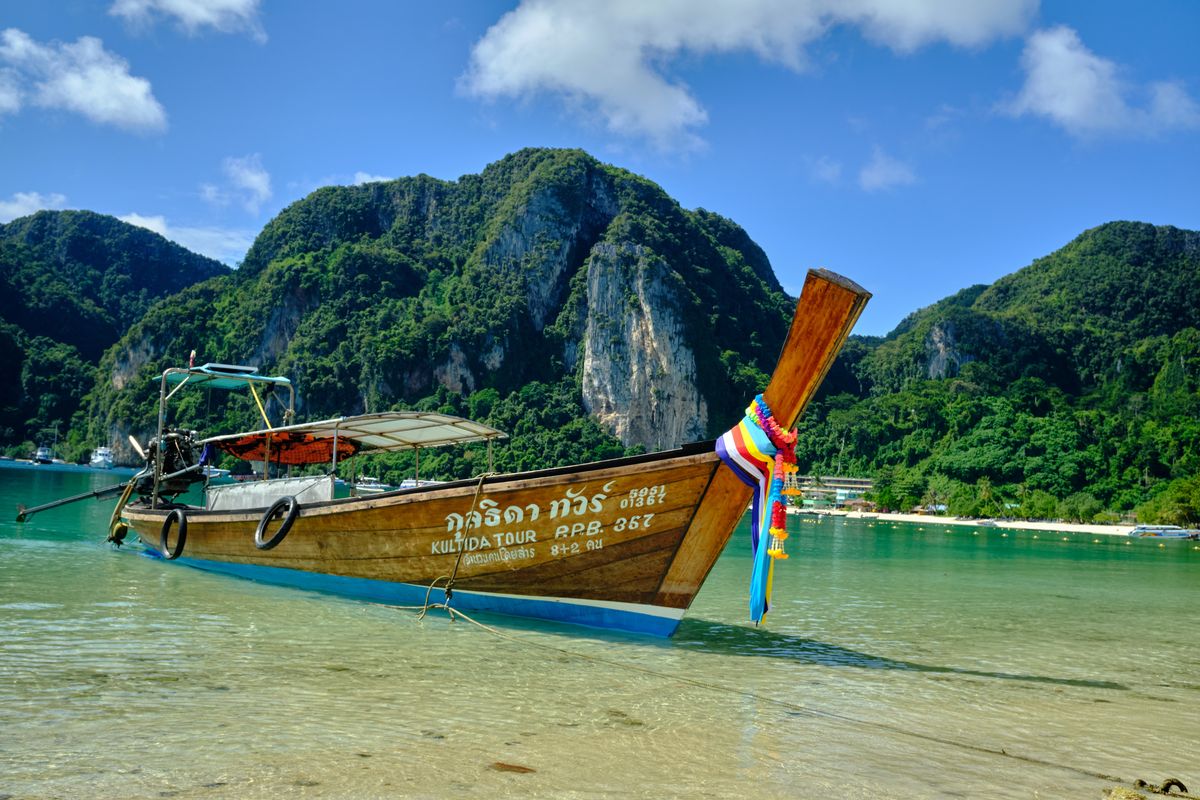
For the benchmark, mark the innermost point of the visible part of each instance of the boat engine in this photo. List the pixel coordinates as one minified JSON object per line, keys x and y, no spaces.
{"x":180,"y":465}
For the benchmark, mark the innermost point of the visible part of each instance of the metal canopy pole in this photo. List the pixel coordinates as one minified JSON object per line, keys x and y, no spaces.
{"x":162,"y":416}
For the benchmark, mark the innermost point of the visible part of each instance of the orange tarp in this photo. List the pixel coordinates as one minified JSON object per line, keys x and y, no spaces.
{"x":287,"y":447}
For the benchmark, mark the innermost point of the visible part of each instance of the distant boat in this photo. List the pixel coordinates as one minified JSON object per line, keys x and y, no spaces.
{"x":102,"y":458}
{"x":802,"y":511}
{"x":43,"y":455}
{"x":413,"y":483}
{"x":1163,"y":532}
{"x":368,"y":485}
{"x":622,"y":544}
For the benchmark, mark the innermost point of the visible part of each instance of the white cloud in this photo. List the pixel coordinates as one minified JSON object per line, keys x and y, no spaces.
{"x":945,"y":116}
{"x":210,"y":193}
{"x":612,"y":55}
{"x":82,"y":77}
{"x":1172,"y":107}
{"x":884,"y":172}
{"x":10,"y":92}
{"x":905,"y":25}
{"x":227,"y":16}
{"x":249,"y":183}
{"x":365,"y":177}
{"x":157,"y":223}
{"x":1085,"y":94}
{"x":225,"y":245}
{"x":23,"y":204}
{"x":825,"y":170}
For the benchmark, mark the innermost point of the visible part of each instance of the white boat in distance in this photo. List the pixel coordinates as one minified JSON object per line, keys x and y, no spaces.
{"x":367,"y":485}
{"x":1163,"y":532}
{"x":102,"y":458}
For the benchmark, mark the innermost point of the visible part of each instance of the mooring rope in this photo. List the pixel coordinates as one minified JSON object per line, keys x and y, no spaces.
{"x":463,"y":549}
{"x":797,"y":708}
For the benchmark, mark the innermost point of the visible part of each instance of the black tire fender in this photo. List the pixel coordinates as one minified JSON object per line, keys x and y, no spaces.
{"x":176,"y":516}
{"x":289,"y":516}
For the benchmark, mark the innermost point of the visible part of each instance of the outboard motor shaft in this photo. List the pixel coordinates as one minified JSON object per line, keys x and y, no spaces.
{"x":180,"y":465}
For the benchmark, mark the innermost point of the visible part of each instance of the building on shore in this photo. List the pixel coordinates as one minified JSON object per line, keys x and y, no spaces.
{"x":829,"y":491}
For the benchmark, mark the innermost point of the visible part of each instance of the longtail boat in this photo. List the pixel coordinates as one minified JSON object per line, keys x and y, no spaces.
{"x":623,"y":544}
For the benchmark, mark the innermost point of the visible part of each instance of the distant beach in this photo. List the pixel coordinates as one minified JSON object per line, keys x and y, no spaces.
{"x":1021,"y":525}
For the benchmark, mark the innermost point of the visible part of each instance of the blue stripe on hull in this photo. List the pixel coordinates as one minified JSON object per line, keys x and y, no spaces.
{"x":577,"y":612}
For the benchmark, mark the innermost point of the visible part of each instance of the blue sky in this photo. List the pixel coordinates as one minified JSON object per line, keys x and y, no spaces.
{"x":916,"y":146}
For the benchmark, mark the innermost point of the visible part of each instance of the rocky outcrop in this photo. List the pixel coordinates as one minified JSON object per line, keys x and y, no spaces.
{"x":281,"y":326}
{"x":129,"y":362}
{"x":454,"y":373}
{"x":944,"y":357}
{"x":639,"y":375}
{"x":549,"y":235}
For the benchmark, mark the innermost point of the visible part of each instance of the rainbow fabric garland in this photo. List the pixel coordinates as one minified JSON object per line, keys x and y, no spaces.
{"x":761,"y":454}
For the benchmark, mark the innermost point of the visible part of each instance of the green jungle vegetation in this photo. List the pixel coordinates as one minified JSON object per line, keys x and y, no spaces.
{"x":467,"y":297}
{"x":1068,"y":389}
{"x":71,"y":283}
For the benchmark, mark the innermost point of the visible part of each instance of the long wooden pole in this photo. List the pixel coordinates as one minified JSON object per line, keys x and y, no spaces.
{"x":829,"y":306}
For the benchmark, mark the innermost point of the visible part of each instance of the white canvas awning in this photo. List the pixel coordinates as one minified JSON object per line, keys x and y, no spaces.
{"x":388,"y":431}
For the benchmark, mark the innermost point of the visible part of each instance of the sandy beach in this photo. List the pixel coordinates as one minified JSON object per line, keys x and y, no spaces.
{"x":1022,"y":525}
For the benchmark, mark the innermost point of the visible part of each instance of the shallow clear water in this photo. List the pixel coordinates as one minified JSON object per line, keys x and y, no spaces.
{"x":898,"y":661}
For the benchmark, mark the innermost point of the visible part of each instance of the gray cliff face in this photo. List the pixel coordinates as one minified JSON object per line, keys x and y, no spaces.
{"x":129,"y":363}
{"x":639,"y":375}
{"x":127,"y":375}
{"x":454,"y":374}
{"x":941,"y":348}
{"x":281,"y":326}
{"x":548,"y":237}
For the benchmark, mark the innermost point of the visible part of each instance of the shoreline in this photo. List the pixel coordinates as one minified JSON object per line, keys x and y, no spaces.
{"x":1004,"y":524}
{"x":24,"y":463}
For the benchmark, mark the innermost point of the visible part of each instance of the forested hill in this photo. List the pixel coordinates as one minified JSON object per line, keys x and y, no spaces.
{"x":1068,"y":388}
{"x":569,"y":302}
{"x":71,"y":283}
{"x":578,"y":307}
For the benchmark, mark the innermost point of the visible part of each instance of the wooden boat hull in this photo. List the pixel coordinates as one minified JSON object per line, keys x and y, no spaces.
{"x":595,"y":545}
{"x":621,"y":544}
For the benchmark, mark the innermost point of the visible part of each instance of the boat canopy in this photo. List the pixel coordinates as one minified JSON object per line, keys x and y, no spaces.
{"x":221,"y":376}
{"x":313,"y":442}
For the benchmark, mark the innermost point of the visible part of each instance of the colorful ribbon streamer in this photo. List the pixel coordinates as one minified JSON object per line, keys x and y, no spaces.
{"x":761,"y":454}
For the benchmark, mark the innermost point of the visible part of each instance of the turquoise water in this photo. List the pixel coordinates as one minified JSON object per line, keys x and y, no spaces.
{"x":898,"y":661}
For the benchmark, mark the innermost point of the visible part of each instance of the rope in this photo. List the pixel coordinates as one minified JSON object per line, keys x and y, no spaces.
{"x":425,"y":608}
{"x":316,"y":481}
{"x":800,"y":709}
{"x":466,"y":530}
